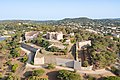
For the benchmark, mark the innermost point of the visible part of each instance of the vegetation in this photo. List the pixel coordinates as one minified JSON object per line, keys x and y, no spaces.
{"x":85,"y":64}
{"x":11,"y":77}
{"x":31,"y":62}
{"x":36,"y":78}
{"x":39,"y":72}
{"x":51,"y":66}
{"x":89,"y":77}
{"x":24,"y":59}
{"x":53,"y":49}
{"x":14,"y":67}
{"x":41,"y":42}
{"x":115,"y":70}
{"x":68,"y":75}
{"x":1,"y":76}
{"x":103,"y":52}
{"x":112,"y":78}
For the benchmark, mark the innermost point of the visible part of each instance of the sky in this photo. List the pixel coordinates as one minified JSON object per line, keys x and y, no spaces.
{"x":58,"y":9}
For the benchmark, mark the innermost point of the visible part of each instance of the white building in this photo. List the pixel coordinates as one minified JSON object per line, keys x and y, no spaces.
{"x":116,"y":35}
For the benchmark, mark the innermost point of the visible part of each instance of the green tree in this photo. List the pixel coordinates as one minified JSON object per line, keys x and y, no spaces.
{"x":78,"y":37}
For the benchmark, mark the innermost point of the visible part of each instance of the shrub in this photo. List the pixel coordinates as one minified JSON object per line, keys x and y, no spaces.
{"x":1,"y":76}
{"x":91,"y":78}
{"x":24,"y":59}
{"x":8,"y":62}
{"x":31,"y":62}
{"x":39,"y":72}
{"x":112,"y":78}
{"x":115,"y":70}
{"x":85,"y":64}
{"x":36,"y":78}
{"x":51,"y":66}
{"x":14,"y":67}
{"x":68,"y":75}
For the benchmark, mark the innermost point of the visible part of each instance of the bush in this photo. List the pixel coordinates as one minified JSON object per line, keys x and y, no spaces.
{"x":68,"y":75}
{"x":91,"y":78}
{"x":31,"y":62}
{"x":1,"y":76}
{"x":85,"y":64}
{"x":8,"y":62}
{"x":53,"y":49}
{"x":14,"y":67}
{"x":36,"y":78}
{"x":51,"y":66}
{"x":112,"y":78}
{"x":10,"y":77}
{"x":24,"y":59}
{"x":115,"y":70}
{"x":39,"y":72}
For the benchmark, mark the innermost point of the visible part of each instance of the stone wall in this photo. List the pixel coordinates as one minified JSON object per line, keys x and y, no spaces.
{"x":38,"y":61}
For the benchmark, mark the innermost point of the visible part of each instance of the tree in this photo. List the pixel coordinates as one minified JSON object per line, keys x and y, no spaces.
{"x":78,"y":37}
{"x":39,"y":72}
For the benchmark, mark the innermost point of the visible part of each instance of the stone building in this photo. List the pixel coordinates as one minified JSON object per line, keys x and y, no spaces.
{"x":31,"y":35}
{"x":54,"y":35}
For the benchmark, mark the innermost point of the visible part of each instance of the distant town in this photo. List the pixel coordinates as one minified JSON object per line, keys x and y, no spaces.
{"x":68,"y":49}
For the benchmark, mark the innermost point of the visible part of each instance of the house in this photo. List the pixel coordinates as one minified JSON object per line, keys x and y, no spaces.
{"x":31,"y":35}
{"x":54,"y":35}
{"x":71,"y":34}
{"x":116,"y":35}
{"x":92,"y":31}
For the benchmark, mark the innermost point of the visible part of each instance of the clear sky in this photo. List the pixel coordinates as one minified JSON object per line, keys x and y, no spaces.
{"x":58,"y":9}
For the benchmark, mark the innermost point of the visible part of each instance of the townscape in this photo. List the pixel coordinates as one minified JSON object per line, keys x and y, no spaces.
{"x":60,"y":50}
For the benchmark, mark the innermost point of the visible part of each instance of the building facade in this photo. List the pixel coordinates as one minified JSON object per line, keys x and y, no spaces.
{"x":54,"y":35}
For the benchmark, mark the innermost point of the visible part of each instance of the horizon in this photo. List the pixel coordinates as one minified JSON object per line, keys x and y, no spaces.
{"x":57,"y":10}
{"x":55,"y":19}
